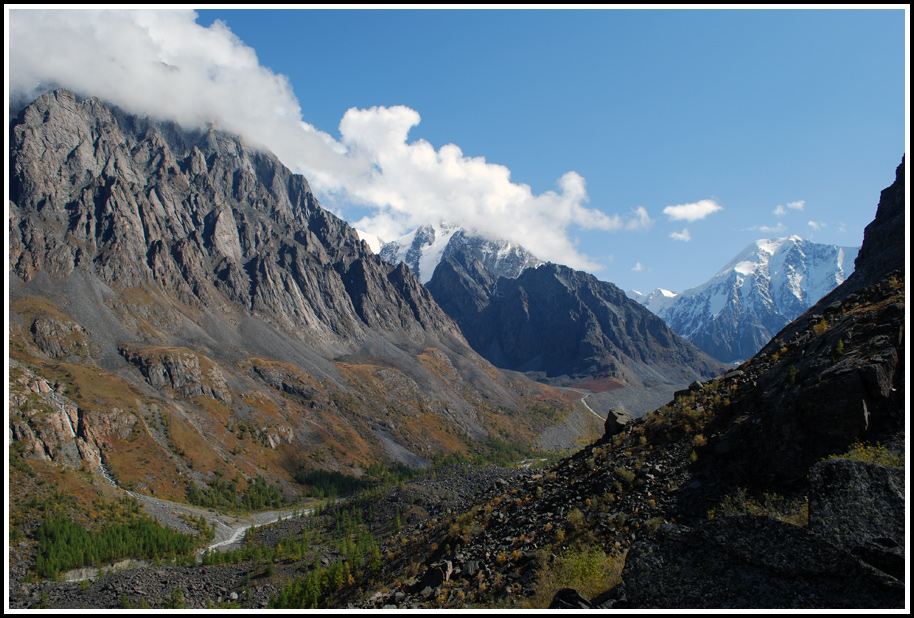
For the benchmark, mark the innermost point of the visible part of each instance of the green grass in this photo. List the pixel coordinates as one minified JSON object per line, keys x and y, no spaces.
{"x":587,"y":569}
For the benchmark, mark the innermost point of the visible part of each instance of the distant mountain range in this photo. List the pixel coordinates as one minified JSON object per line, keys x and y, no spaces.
{"x":766,"y":286}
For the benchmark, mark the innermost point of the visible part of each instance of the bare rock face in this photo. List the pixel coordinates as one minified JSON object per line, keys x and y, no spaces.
{"x":48,"y":426}
{"x":860,"y":507}
{"x":213,"y":221}
{"x":884,"y":238}
{"x":178,"y":369}
{"x":58,"y":337}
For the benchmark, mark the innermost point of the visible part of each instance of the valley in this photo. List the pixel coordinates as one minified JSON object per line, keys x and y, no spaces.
{"x":197,"y":346}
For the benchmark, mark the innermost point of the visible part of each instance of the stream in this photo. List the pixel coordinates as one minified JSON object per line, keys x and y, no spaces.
{"x":228,"y":530}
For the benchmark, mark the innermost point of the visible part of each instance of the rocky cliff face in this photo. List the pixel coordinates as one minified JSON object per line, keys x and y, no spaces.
{"x":209,"y":219}
{"x":194,"y":283}
{"x":556,"y":322}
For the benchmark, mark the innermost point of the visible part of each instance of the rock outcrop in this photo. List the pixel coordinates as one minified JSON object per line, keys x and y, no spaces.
{"x":45,"y":425}
{"x":859,"y":507}
{"x":883,"y":239}
{"x":750,"y":562}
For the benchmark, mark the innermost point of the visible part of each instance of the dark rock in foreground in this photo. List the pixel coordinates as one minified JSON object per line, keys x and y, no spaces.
{"x":759,"y":562}
{"x":751,"y":562}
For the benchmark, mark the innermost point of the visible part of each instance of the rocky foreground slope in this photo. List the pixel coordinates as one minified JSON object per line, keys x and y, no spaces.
{"x":718,"y":499}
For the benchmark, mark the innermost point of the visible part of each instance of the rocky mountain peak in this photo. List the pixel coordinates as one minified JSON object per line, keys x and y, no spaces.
{"x":424,"y":248}
{"x":200,"y":212}
{"x":884,"y":238}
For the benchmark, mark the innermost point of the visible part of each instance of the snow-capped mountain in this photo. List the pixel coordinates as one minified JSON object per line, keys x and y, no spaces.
{"x":769,"y":284}
{"x":423,"y":248}
{"x":656,"y":301}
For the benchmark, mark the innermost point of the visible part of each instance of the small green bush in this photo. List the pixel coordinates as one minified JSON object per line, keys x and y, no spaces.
{"x":589,"y":570}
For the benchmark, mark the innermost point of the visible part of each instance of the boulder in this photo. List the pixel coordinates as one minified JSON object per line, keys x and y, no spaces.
{"x":568,"y":598}
{"x":859,"y":507}
{"x":616,"y":420}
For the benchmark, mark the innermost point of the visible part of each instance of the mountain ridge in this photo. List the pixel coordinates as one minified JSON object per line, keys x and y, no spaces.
{"x":202,"y":279}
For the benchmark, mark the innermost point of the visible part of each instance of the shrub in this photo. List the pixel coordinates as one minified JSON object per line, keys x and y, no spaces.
{"x":771,"y":505}
{"x":626,"y":475}
{"x":820,"y":327}
{"x":877,"y":454}
{"x":653,"y":525}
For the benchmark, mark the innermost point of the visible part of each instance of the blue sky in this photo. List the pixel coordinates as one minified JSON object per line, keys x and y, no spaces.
{"x":592,"y":123}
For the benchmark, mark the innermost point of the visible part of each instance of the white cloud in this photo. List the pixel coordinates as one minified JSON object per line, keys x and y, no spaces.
{"x":780,"y":211}
{"x":637,"y":267}
{"x":639,"y":219}
{"x":817,"y":225}
{"x":163,"y":64}
{"x":780,"y":228}
{"x":692,"y":212}
{"x":684,"y":235}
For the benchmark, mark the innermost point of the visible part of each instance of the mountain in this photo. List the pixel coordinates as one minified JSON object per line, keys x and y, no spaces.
{"x":182,"y":309}
{"x":424,"y":248}
{"x":555,"y":324}
{"x":766,"y":286}
{"x":566,"y":327}
{"x":655,"y":301}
